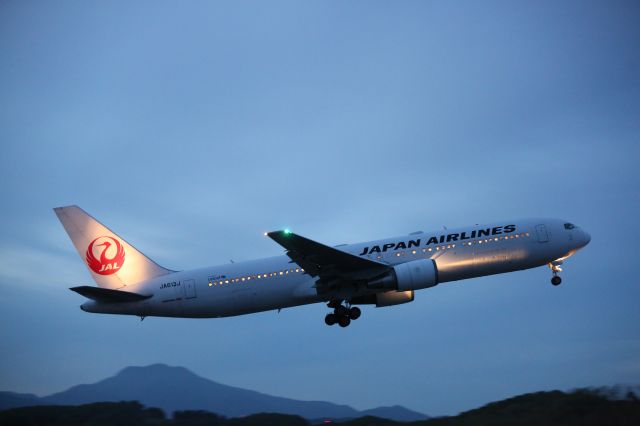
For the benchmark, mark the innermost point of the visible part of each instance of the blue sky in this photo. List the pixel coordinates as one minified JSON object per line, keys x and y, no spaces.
{"x":190,"y":130}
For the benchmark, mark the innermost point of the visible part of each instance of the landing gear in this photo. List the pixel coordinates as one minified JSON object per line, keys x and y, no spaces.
{"x":330,"y":319}
{"x":341,"y":311}
{"x":342,"y":315}
{"x":344,"y":321}
{"x":354,"y":313}
{"x":555,"y":268}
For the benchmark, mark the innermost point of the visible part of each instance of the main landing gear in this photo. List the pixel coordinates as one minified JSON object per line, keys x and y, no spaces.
{"x":342,"y":315}
{"x":555,"y":268}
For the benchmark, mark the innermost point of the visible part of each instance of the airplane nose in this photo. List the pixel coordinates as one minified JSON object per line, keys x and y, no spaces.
{"x":586,"y":238}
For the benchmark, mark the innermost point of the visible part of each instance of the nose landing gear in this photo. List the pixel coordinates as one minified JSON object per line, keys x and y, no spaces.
{"x":555,"y":268}
{"x":342,"y":315}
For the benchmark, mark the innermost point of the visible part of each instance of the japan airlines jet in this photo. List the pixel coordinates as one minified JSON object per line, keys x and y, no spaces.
{"x":381,"y":273}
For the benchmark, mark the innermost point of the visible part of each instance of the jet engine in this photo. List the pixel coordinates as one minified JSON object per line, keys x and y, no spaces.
{"x":413,"y":275}
{"x":390,"y":298}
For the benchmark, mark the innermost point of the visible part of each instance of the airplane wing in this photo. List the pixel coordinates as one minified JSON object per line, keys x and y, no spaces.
{"x":331,"y":265}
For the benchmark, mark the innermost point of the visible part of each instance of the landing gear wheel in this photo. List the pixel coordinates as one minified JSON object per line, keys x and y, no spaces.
{"x":556,"y":280}
{"x":341,"y":311}
{"x":330,"y":319}
{"x":354,"y":313}
{"x":344,"y":321}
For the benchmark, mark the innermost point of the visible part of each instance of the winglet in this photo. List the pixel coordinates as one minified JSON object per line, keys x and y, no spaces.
{"x":281,"y":235}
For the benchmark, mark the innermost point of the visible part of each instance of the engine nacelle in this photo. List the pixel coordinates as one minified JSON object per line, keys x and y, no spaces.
{"x":413,"y":275}
{"x":390,"y":298}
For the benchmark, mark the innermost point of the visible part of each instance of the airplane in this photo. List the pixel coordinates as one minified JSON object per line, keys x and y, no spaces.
{"x":382,"y":273}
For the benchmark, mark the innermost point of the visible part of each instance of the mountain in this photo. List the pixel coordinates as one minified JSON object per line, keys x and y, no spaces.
{"x":582,"y":407}
{"x":396,"y":412}
{"x":13,"y":400}
{"x":176,"y":389}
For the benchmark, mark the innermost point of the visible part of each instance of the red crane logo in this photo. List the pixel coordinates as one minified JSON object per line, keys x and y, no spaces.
{"x":107,"y":261}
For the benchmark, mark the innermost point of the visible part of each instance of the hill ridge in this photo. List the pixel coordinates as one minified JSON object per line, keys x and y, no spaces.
{"x":175,"y":388}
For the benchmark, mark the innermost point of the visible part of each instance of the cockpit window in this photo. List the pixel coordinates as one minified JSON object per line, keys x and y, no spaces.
{"x":569,"y":226}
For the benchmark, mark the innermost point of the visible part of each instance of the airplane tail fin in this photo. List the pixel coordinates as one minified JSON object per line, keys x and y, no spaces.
{"x":112,"y":261}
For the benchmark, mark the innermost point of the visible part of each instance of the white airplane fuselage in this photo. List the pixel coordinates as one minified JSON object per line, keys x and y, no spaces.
{"x":279,"y":282}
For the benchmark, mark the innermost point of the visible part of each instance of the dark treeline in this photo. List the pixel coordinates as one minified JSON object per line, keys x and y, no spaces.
{"x":582,"y":407}
{"x":132,"y":414}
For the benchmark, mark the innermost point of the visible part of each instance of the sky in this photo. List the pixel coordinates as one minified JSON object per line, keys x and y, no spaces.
{"x":192,"y":129}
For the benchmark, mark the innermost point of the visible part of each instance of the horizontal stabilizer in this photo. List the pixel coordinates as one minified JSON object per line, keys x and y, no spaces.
{"x":106,"y":295}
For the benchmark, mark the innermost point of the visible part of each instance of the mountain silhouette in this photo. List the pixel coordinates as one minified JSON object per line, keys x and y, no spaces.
{"x":176,"y":389}
{"x":15,"y":400}
{"x":581,"y":407}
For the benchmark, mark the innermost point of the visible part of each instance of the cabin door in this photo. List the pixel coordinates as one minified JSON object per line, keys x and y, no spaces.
{"x":189,"y":289}
{"x":541,"y":232}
